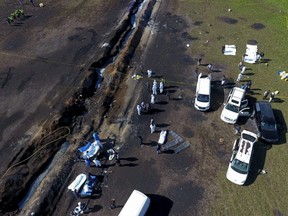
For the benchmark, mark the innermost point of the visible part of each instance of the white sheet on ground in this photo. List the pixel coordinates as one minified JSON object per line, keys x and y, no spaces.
{"x":93,"y":149}
{"x":229,"y":50}
{"x":162,"y":137}
{"x":251,"y":54}
{"x":77,"y":183}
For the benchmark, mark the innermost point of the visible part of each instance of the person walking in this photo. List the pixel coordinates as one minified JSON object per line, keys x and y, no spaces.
{"x":158,"y":149}
{"x":266,"y":94}
{"x":161,"y":87}
{"x":152,"y":121}
{"x":152,"y":128}
{"x":239,"y":77}
{"x":139,"y":109}
{"x":152,"y":99}
{"x":149,"y":73}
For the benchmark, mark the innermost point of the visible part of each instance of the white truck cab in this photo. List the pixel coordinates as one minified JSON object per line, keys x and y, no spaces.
{"x":235,"y":106}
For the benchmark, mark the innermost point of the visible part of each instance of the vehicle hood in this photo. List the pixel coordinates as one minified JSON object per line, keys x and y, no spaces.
{"x":235,"y":177}
{"x":202,"y":104}
{"x":229,"y":116}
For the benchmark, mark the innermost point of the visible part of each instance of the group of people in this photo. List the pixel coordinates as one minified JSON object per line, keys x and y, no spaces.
{"x":15,"y":15}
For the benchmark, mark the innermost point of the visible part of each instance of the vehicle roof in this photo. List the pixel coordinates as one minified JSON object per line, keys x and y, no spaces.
{"x":237,"y":95}
{"x":136,"y":204}
{"x":265,"y":109}
{"x":245,"y":147}
{"x":204,"y":84}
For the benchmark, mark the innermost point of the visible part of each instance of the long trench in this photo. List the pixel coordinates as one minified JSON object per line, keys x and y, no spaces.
{"x":121,"y":49}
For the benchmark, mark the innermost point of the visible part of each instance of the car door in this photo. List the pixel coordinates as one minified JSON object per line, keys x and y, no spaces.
{"x":245,"y":112}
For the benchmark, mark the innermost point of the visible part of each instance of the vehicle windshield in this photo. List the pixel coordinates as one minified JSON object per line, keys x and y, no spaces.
{"x":268,"y":124}
{"x":232,"y":108}
{"x":203,"y":98}
{"x":239,"y":166}
{"x":248,"y":137}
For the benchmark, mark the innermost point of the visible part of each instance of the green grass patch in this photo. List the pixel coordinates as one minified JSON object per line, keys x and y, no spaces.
{"x":269,"y":193}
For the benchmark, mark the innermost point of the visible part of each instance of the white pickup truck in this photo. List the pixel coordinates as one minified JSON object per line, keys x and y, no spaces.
{"x":235,"y":106}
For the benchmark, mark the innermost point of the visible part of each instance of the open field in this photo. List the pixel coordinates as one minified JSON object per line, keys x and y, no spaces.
{"x":213,"y":22}
{"x":52,"y":59}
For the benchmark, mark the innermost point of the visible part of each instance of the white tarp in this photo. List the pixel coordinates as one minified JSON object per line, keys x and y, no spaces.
{"x":93,"y":149}
{"x":251,"y":54}
{"x":77,"y":183}
{"x":229,"y":50}
{"x":162,"y":137}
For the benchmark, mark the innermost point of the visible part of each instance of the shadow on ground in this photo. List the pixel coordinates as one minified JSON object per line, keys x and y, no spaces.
{"x":160,"y":205}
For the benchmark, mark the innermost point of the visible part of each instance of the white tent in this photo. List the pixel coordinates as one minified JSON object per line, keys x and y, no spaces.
{"x":229,"y":50}
{"x":251,"y":54}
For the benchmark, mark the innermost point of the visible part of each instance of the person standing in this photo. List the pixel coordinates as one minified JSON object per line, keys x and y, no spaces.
{"x":154,"y":89}
{"x":196,"y":72}
{"x":210,"y":67}
{"x":139,"y":109}
{"x":152,"y":128}
{"x":239,"y":77}
{"x":223,"y":81}
{"x":237,"y":129}
{"x":272,"y":96}
{"x":147,"y":86}
{"x":149,"y":73}
{"x":158,"y":149}
{"x":117,"y":159}
{"x":240,"y":65}
{"x":152,"y":99}
{"x":199,"y":61}
{"x":113,"y":204}
{"x":32,"y":2}
{"x":140,"y":140}
{"x":243,"y":70}
{"x":161,"y":87}
{"x":266,"y":94}
{"x":152,"y":121}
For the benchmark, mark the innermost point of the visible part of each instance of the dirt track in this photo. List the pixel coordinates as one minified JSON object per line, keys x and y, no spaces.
{"x":51,"y":74}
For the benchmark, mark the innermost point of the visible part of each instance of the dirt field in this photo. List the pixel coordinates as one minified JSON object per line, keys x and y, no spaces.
{"x":49,"y":63}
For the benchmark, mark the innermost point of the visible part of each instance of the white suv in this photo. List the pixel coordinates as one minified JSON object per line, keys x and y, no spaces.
{"x":235,"y":106}
{"x":240,"y":161}
{"x":203,"y":91}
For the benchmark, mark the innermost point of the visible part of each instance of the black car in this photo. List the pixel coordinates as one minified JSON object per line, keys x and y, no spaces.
{"x":266,"y":122}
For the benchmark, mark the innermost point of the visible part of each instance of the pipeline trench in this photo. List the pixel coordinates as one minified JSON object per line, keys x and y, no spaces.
{"x":68,"y":125}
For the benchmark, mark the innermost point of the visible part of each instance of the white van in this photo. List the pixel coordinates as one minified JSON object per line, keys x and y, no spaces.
{"x":136,"y":205}
{"x":235,"y":106}
{"x":203,"y":90}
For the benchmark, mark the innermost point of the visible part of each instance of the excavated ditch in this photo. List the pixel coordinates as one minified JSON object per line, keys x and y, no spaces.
{"x":16,"y":183}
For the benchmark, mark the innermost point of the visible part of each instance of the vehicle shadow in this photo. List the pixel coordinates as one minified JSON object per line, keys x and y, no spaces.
{"x":217,"y":95}
{"x":160,"y":205}
{"x":258,"y":161}
{"x":281,"y":126}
